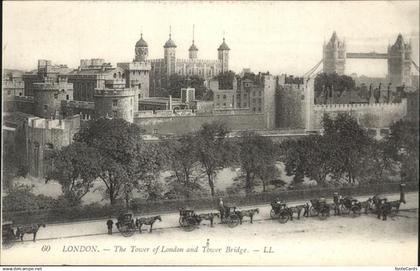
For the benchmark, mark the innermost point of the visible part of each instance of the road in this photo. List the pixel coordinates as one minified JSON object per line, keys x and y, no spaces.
{"x":363,"y":240}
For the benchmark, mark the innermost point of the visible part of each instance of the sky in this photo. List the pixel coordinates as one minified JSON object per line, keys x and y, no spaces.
{"x":280,"y":37}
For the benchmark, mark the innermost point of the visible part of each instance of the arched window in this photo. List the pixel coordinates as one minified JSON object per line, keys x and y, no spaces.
{"x":123,"y":75}
{"x":115,"y":75}
{"x":119,"y":74}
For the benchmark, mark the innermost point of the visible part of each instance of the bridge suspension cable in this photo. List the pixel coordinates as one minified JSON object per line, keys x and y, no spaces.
{"x":415,"y":65}
{"x":312,"y":70}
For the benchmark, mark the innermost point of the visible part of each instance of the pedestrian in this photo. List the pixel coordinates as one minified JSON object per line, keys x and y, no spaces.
{"x":109,"y":224}
{"x":221,"y":208}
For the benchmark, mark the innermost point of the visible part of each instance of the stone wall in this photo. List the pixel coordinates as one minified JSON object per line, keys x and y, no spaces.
{"x":183,"y":124}
{"x":380,"y":115}
{"x":290,"y":112}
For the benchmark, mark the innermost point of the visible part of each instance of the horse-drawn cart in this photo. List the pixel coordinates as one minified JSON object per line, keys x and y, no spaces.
{"x":319,"y":208}
{"x":280,"y":211}
{"x":126,"y":225}
{"x":230,"y":216}
{"x":349,"y":204}
{"x":8,"y":234}
{"x":188,"y":219}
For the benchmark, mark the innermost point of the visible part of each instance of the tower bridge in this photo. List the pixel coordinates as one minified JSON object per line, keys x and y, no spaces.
{"x":398,"y":57}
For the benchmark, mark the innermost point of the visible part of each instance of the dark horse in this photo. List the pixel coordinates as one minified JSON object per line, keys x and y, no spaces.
{"x":31,"y":229}
{"x":209,"y":217}
{"x":147,"y":221}
{"x":250,"y":213}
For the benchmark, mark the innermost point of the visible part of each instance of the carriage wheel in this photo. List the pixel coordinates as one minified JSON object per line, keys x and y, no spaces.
{"x":283,"y":217}
{"x":356,"y":210}
{"x":233,"y":220}
{"x":324,"y":214}
{"x":127,"y":231}
{"x":344,"y":210}
{"x":189,"y":224}
{"x":273,"y":214}
{"x":313,"y":211}
{"x":7,"y":243}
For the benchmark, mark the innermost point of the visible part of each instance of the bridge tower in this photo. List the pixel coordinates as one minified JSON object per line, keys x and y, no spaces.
{"x":399,"y":62}
{"x":334,"y":55}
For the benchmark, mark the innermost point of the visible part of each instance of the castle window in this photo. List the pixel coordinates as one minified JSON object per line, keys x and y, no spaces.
{"x":245,"y":105}
{"x":218,"y":96}
{"x":119,"y":74}
{"x":259,"y":109}
{"x":155,"y":131}
{"x":140,"y":96}
{"x":56,"y":96}
{"x":139,"y":85}
{"x":238,"y":105}
{"x":67,"y":97}
{"x":115,"y":75}
{"x":20,"y":93}
{"x":114,"y":102}
{"x":9,"y":92}
{"x":123,"y":75}
{"x":224,"y":97}
{"x":253,"y":109}
{"x":224,"y":104}
{"x":115,"y":113}
{"x":45,"y":107}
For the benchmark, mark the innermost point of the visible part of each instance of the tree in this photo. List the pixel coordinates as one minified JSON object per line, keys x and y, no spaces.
{"x":75,"y":168}
{"x":256,"y":153}
{"x":212,"y":150}
{"x":176,"y":82}
{"x":181,"y":160}
{"x":117,"y":143}
{"x":329,"y":82}
{"x":226,"y":80}
{"x":347,"y":143}
{"x":403,"y":146}
{"x":308,"y":156}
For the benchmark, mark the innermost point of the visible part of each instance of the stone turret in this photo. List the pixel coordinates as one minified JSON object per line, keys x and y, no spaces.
{"x":141,"y":50}
{"x":223,"y":56}
{"x":399,"y":62}
{"x":334,"y":55}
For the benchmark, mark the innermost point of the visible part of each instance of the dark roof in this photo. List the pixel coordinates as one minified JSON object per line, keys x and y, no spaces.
{"x":170,"y":43}
{"x":223,"y":46}
{"x":193,"y":47}
{"x":141,"y":42}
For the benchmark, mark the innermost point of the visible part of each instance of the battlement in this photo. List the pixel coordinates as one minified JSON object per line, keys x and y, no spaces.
{"x":52,"y":85}
{"x":24,"y":99}
{"x":203,"y":61}
{"x":156,"y":60}
{"x":163,"y":113}
{"x":140,"y":66}
{"x":349,"y":107}
{"x":12,"y":84}
{"x":78,"y":104}
{"x":114,"y":92}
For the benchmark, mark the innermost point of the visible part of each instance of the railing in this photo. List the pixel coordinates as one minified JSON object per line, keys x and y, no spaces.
{"x":143,"y":207}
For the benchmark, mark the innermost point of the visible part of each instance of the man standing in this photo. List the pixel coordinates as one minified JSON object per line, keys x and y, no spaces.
{"x":221,"y":208}
{"x":109,"y":224}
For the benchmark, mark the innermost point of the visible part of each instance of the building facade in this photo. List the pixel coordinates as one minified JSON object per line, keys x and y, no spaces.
{"x":399,"y":63}
{"x":162,"y":69}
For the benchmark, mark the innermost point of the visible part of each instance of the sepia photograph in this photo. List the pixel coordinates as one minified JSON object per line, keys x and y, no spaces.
{"x":210,"y":133}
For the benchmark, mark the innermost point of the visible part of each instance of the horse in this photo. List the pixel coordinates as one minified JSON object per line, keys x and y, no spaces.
{"x":147,"y":221}
{"x":30,"y":229}
{"x":367,"y":204}
{"x":250,"y":213}
{"x":208,"y":216}
{"x":295,"y":209}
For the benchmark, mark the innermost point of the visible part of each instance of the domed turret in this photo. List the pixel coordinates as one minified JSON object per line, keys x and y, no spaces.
{"x":141,"y":42}
{"x":223,"y":46}
{"x":193,"y":49}
{"x":141,"y":50}
{"x":170,"y":43}
{"x":223,"y":56}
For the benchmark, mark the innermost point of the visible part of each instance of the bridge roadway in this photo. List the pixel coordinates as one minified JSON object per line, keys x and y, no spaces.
{"x":371,"y":55}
